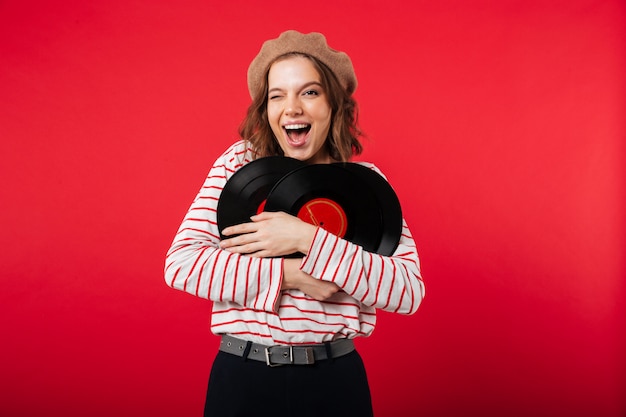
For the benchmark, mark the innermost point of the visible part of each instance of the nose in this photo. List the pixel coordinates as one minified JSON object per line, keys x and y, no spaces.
{"x":293,"y":105}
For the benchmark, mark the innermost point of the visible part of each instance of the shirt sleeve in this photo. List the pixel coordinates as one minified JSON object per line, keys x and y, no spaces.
{"x":391,"y":283}
{"x":195,"y":263}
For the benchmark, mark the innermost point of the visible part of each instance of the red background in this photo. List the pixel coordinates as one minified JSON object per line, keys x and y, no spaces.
{"x":500,"y":124}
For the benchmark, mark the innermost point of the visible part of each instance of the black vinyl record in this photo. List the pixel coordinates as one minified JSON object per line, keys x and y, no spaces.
{"x":391,"y":210}
{"x":247,"y":189}
{"x":342,"y":200}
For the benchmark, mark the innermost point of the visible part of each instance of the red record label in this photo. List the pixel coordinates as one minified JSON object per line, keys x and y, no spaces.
{"x":261,"y":207}
{"x":326,"y":214}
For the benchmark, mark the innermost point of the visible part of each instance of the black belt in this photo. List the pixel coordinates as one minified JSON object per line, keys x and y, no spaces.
{"x":286,"y":355}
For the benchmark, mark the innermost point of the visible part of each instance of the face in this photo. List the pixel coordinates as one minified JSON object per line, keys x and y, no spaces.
{"x":298,"y":110}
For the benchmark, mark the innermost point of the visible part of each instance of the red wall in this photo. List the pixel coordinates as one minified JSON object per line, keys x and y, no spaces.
{"x":500,"y":124}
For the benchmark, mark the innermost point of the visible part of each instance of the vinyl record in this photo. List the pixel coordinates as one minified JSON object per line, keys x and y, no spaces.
{"x":388,"y":202}
{"x":334,"y":198}
{"x":245,"y":192}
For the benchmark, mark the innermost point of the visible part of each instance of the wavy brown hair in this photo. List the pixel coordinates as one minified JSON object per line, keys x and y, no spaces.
{"x":342,"y":142}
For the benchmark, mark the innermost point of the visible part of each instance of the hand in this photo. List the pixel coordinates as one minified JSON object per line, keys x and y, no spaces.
{"x":295,"y":279}
{"x":270,"y":234}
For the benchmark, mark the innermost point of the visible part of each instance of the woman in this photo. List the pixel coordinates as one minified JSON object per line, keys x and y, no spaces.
{"x":287,"y":324}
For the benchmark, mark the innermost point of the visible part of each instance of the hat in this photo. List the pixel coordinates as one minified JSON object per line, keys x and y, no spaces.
{"x":313,"y":44}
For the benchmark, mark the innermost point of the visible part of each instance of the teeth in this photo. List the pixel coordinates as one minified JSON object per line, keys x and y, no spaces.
{"x":298,"y":126}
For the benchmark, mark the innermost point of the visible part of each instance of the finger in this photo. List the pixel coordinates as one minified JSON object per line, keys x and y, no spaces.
{"x":263,"y":253}
{"x":240,"y":240}
{"x":268,"y":215}
{"x":239,"y":229}
{"x":264,"y":215}
{"x":248,"y":249}
{"x":226,"y":243}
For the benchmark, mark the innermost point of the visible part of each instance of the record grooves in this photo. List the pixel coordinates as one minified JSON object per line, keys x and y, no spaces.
{"x":247,"y":189}
{"x":299,"y":188}
{"x":387,"y":202}
{"x":349,"y":200}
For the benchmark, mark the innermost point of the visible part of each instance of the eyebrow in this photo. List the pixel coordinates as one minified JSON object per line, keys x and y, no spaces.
{"x":304,"y":86}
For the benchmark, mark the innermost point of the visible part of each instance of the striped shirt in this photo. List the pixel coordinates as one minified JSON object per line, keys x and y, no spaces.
{"x":246,"y":291}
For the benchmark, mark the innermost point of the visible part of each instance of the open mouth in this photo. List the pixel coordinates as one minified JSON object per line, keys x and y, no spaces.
{"x":297,"y":133}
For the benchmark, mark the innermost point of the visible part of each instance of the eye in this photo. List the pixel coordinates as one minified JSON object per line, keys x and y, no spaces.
{"x":311,"y":93}
{"x":274,"y":94}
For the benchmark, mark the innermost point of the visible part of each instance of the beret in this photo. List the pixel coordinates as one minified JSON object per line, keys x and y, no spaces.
{"x":313,"y":44}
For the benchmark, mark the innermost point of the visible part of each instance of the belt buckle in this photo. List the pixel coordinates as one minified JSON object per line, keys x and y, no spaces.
{"x":273,"y":365}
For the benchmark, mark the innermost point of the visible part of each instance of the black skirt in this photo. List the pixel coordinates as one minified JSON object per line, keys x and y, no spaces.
{"x":244,"y":388}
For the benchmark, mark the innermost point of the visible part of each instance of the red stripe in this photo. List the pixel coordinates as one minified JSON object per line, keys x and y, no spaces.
{"x":217,"y":177}
{"x":235,"y":275}
{"x":269,"y":336}
{"x":212,"y":274}
{"x":229,"y":310}
{"x":369,"y":272}
{"x":198,"y":256}
{"x":269,"y":286}
{"x":203,"y":208}
{"x":175,"y":249}
{"x":212,"y":187}
{"x":224,"y":272}
{"x":200,"y":273}
{"x":258,"y":285}
{"x":343,"y":255}
{"x":265,"y":324}
{"x":228,"y":323}
{"x":277,"y":294}
{"x":352,"y":317}
{"x":312,"y":300}
{"x":332,"y":251}
{"x":393,"y":280}
{"x":245,"y":294}
{"x":380,"y":281}
{"x":191,"y":229}
{"x":314,"y":261}
{"x":412,"y":292}
{"x":168,"y":266}
{"x":349,"y":269}
{"x":306,"y":342}
{"x":400,"y":302}
{"x":308,"y":319}
{"x":358,"y":281}
{"x":208,"y":197}
{"x":174,"y":278}
{"x":214,"y":238}
{"x":285,"y":342}
{"x":203,"y":220}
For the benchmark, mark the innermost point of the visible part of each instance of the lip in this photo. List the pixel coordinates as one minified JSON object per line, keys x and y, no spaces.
{"x":295,"y":122}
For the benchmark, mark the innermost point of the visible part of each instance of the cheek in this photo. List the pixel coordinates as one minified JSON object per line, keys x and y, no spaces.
{"x":322,"y":114}
{"x":327,"y":118}
{"x":271,"y":114}
{"x":272,"y":118}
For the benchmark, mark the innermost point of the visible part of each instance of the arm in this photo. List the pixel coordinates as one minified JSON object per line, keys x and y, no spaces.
{"x":390,"y":283}
{"x":279,"y":234}
{"x":296,"y":279}
{"x":197,"y":265}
